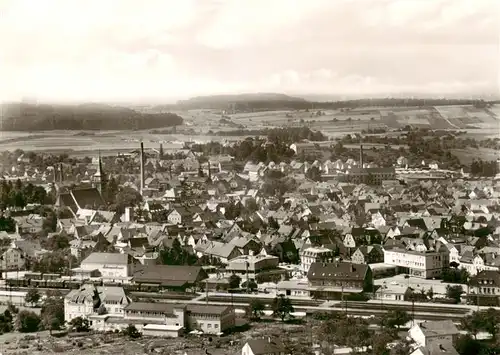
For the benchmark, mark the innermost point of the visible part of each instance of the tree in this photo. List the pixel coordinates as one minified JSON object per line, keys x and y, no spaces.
{"x":256,"y":308}
{"x":466,"y":345}
{"x":348,"y":331}
{"x":102,"y":310}
{"x":282,"y":307}
{"x":234,"y":281}
{"x":379,"y":343}
{"x":454,"y":292}
{"x":395,"y":319}
{"x":132,"y":332}
{"x":52,"y":312}
{"x":430,"y":293}
{"x":27,"y":322}
{"x":32,"y":296}
{"x":251,"y":285}
{"x":80,"y":324}
{"x":6,"y":322}
{"x":472,"y":324}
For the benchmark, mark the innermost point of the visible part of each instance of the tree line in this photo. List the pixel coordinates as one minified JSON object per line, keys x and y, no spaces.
{"x":28,"y":117}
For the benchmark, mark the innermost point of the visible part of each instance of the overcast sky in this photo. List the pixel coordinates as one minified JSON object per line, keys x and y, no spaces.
{"x":173,"y":49}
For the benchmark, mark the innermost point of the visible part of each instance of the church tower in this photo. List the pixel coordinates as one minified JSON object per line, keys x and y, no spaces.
{"x":99,"y":179}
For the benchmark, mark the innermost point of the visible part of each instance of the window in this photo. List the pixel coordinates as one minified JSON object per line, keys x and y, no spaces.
{"x":216,"y":326}
{"x":209,"y":325}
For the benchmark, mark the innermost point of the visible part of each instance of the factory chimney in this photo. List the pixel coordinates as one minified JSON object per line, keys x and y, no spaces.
{"x":361,"y":160}
{"x":61,"y":173}
{"x":142,"y":167}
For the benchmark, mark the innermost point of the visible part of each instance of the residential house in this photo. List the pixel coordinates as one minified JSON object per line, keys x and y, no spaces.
{"x":32,"y":224}
{"x":179,"y":215}
{"x":12,"y":259}
{"x":368,"y":254}
{"x":436,"y":348}
{"x":425,"y":333}
{"x":311,"y":255}
{"x":263,"y":346}
{"x":90,"y":300}
{"x":222,"y":252}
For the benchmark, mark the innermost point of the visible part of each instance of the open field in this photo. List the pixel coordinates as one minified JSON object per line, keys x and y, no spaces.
{"x":202,"y":126}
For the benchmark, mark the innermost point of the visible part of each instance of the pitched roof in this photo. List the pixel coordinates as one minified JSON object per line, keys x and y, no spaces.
{"x":206,"y":309}
{"x":170,"y":275}
{"x":436,"y":328}
{"x":266,"y":346}
{"x":441,"y":348}
{"x":337,"y":271}
{"x":87,"y":197}
{"x":106,"y":258}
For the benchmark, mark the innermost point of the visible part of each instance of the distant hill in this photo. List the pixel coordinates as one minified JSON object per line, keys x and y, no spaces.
{"x":33,"y":117}
{"x":275,"y":101}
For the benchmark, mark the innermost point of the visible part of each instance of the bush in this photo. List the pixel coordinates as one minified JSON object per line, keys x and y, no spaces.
{"x":27,"y":322}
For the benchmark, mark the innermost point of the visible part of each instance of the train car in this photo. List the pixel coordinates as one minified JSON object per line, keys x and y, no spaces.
{"x":51,"y":276}
{"x":33,"y":275}
{"x":72,"y":284}
{"x":39,"y":283}
{"x":56,"y":283}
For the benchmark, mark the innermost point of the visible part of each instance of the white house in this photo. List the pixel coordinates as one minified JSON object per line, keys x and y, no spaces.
{"x":90,"y":300}
{"x":263,"y":346}
{"x":425,"y":333}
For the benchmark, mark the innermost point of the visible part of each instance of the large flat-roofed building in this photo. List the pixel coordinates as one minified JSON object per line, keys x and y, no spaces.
{"x":424,"y":264}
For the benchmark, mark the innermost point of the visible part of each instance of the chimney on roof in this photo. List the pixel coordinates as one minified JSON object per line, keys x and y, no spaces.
{"x":142,"y":167}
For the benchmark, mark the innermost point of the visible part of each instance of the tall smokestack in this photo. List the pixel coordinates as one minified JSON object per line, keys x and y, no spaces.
{"x":361,"y":160}
{"x":61,"y":173}
{"x":142,"y":167}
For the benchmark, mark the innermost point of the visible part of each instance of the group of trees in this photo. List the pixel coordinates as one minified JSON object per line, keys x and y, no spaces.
{"x":355,"y":333}
{"x":19,"y":194}
{"x":57,"y":261}
{"x":455,"y":275}
{"x":177,"y":255}
{"x":28,"y":117}
{"x":484,"y":168}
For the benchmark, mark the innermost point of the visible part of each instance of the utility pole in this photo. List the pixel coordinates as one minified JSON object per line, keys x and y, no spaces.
{"x":206,"y":291}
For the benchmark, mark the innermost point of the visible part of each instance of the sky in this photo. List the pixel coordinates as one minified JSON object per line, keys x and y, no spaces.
{"x":164,"y":50}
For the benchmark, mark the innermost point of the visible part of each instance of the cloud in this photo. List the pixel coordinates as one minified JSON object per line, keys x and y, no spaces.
{"x":89,"y":49}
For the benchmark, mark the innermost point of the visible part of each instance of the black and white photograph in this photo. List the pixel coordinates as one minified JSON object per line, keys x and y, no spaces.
{"x":250,"y":177}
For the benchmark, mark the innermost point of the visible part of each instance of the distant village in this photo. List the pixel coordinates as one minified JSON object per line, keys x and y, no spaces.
{"x":114,"y":232}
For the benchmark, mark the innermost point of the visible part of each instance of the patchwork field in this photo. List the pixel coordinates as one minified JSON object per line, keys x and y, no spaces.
{"x":203,"y":125}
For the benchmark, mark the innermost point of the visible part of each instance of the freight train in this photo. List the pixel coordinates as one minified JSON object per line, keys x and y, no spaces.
{"x":55,"y":281}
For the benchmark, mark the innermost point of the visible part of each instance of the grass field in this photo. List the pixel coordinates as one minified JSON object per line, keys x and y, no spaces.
{"x":200,"y":122}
